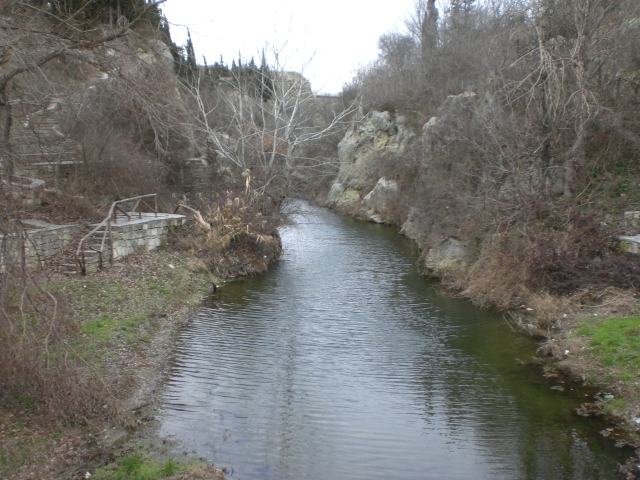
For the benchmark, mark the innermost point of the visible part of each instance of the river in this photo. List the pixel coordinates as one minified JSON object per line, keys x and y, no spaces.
{"x":344,"y":363}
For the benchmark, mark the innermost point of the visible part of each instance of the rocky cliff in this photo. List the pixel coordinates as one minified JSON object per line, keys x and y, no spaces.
{"x":358,"y":189}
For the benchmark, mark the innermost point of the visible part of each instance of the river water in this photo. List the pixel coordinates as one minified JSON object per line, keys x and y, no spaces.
{"x":343,"y":363}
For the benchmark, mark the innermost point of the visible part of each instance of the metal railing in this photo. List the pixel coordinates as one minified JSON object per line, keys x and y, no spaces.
{"x":112,"y":217}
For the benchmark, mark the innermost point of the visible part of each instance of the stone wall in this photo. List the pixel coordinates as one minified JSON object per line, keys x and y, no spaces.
{"x":630,"y":244}
{"x":197,"y":175}
{"x":39,"y":245}
{"x":27,"y":191}
{"x":146,"y":233}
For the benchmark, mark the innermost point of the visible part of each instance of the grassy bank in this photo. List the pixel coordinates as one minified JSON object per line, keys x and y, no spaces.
{"x":605,"y":351}
{"x":120,"y":328}
{"x":82,"y":357}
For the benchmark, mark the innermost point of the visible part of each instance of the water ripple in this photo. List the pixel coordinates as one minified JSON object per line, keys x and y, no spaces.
{"x":342,"y":363}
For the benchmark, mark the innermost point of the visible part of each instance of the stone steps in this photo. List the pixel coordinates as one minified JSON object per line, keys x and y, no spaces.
{"x":39,"y":137}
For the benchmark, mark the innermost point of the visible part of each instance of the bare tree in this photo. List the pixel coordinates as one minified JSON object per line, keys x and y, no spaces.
{"x":577,"y":47}
{"x":260,"y":119}
{"x":33,"y":34}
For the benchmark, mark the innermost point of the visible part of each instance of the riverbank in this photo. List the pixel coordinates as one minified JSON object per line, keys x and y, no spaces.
{"x":590,"y":336}
{"x":122,"y":323}
{"x":345,"y":348}
{"x":126,"y":318}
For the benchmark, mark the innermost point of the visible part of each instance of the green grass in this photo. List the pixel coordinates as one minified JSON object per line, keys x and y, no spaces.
{"x":121,"y":312}
{"x":139,"y":467}
{"x":614,"y":405}
{"x":155,"y":287}
{"x":24,"y":401}
{"x":107,"y":318}
{"x":108,"y":328}
{"x":616,"y":343}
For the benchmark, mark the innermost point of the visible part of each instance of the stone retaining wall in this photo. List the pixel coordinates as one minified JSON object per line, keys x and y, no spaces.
{"x":197,"y":174}
{"x":27,"y":191}
{"x":147,"y":233}
{"x":630,"y":244}
{"x":39,"y":245}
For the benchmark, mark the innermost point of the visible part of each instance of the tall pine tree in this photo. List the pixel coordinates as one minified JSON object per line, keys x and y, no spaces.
{"x":190,"y":60}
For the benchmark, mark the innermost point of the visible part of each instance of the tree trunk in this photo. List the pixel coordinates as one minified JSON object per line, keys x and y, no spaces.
{"x":5,"y":140}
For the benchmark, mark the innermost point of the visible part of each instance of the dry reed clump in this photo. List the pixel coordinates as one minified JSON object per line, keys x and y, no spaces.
{"x":243,"y":238}
{"x":542,"y":314}
{"x":608,"y":302}
{"x":497,"y":280}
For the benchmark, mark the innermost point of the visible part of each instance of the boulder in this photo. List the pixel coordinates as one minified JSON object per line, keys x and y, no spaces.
{"x":343,"y":198}
{"x":414,"y":229}
{"x":451,"y":258}
{"x":377,"y":201}
{"x":436,"y":132}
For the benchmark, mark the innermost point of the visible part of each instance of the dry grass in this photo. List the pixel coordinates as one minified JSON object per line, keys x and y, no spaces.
{"x":39,"y":368}
{"x":495,"y":281}
{"x":243,"y":239}
{"x":116,"y":323}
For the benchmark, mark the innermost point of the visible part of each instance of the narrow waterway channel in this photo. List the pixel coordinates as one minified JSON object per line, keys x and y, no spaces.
{"x":343,"y":363}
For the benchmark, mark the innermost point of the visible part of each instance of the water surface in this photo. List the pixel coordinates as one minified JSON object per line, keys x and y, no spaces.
{"x":343,"y":363}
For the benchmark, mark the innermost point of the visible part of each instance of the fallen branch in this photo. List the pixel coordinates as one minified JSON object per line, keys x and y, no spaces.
{"x":197,"y":215}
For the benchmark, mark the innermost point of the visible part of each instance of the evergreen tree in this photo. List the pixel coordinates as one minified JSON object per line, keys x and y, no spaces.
{"x":190,"y":59}
{"x":266,"y":79}
{"x":219,"y":69}
{"x":429,"y":29}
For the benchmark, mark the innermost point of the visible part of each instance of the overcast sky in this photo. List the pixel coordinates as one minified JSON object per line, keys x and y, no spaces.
{"x":339,"y":34}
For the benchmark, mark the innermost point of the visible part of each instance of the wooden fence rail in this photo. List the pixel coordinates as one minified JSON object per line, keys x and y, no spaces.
{"x":112,"y":217}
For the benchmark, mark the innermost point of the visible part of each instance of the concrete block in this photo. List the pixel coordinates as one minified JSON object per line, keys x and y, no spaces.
{"x":632,"y":218}
{"x":630,"y":244}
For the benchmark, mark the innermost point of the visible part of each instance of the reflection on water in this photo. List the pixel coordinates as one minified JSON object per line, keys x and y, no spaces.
{"x":342,"y":362}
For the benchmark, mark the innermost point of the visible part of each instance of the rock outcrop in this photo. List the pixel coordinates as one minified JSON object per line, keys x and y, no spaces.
{"x":364,"y":145}
{"x":360,"y":190}
{"x":450,"y":258}
{"x":379,"y":201}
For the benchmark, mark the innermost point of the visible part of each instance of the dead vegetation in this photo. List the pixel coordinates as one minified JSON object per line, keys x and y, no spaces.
{"x":61,"y":416}
{"x":531,"y":150}
{"x":238,"y":237}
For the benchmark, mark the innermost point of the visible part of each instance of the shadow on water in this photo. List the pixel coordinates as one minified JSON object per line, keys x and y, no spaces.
{"x":343,"y":362}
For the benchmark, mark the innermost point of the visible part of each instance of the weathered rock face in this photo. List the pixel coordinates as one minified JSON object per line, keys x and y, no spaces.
{"x":46,"y":136}
{"x":378,"y":201}
{"x":413,"y":228}
{"x":451,"y":258}
{"x":378,"y":134}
